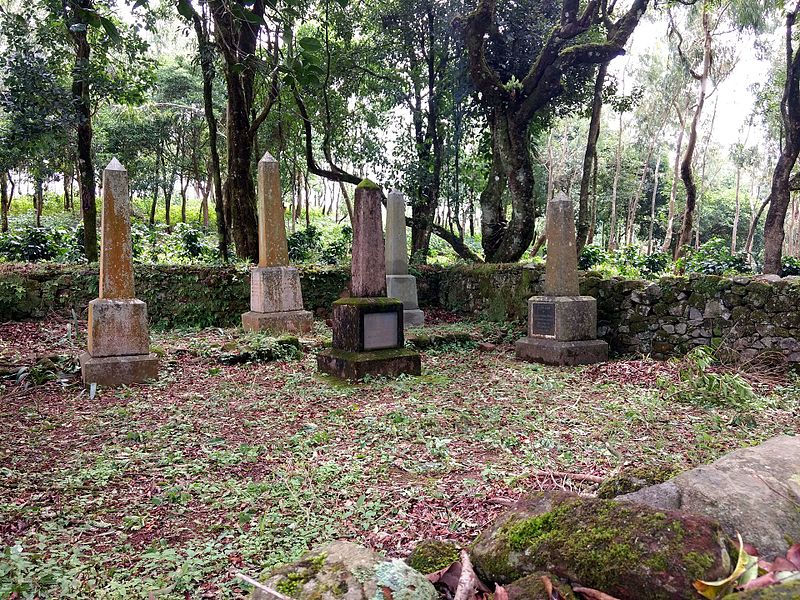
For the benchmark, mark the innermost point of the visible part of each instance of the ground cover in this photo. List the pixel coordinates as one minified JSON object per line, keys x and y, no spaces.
{"x":167,"y":490}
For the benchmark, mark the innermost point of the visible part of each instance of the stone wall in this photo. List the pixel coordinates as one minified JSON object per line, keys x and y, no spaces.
{"x":663,"y":318}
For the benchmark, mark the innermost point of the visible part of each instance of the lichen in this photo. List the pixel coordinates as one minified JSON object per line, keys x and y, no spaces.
{"x":367,"y":184}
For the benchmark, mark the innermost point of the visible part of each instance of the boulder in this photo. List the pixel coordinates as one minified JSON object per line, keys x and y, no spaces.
{"x":625,"y":550}
{"x":755,"y":491}
{"x":430,"y":556}
{"x":784,"y":591}
{"x":346,"y":571}
{"x":533,"y":587}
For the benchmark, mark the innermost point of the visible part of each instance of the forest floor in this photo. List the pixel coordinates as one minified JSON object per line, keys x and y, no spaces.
{"x":168,"y":490}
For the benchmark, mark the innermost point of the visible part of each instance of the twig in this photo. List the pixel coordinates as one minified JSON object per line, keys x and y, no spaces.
{"x":592,"y":594}
{"x":260,"y":586}
{"x":573,"y":476}
{"x":467,"y":583}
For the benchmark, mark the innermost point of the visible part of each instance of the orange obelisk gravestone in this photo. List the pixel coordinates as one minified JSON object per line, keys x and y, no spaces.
{"x":276,"y":300}
{"x":118,"y":338}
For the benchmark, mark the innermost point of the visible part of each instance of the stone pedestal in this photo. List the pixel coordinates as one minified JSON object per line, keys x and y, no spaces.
{"x":368,"y":340}
{"x":118,"y":370}
{"x":276,"y":302}
{"x":404,"y":288}
{"x":562,"y":330}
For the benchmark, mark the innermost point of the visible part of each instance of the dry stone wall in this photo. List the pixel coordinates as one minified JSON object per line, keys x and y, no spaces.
{"x":749,"y":315}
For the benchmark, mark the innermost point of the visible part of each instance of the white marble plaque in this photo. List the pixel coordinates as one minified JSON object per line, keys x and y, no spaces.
{"x":380,"y":330}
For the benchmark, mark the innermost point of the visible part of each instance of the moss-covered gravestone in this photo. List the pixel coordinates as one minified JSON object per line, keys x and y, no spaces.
{"x":368,"y":328}
{"x":276,"y":300}
{"x":562,"y":324}
{"x":118,"y":339}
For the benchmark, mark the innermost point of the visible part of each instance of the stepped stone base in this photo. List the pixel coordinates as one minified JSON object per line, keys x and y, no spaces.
{"x":413,"y":318}
{"x":118,"y":370}
{"x":355,"y":365}
{"x":293,"y":321}
{"x":555,"y":352}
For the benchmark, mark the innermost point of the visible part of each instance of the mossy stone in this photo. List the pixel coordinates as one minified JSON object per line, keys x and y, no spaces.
{"x":632,"y":479}
{"x":626,"y":550}
{"x":784,"y":591}
{"x":430,"y":556}
{"x":533,"y":587}
{"x":368,"y":185}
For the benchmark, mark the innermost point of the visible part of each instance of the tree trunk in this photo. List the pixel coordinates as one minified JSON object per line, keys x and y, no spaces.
{"x":593,"y":224}
{"x":584,"y":215}
{"x":38,"y":199}
{"x":5,"y":201}
{"x":81,"y":100}
{"x":507,"y":241}
{"x":687,"y":171}
{"x":736,"y":211}
{"x":653,"y":209}
{"x":612,"y":227}
{"x":674,"y":191}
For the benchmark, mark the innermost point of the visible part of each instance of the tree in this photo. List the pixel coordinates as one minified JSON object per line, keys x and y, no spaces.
{"x":518,"y":77}
{"x":780,"y":190}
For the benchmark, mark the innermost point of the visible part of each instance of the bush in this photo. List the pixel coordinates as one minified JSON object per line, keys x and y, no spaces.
{"x":303,"y":243}
{"x":714,"y":258}
{"x":791,"y":266}
{"x":592,"y":256}
{"x":28,"y":243}
{"x":627,"y":261}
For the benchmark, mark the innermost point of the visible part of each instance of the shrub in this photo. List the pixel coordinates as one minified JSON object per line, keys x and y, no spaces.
{"x":714,"y":258}
{"x":592,"y":256}
{"x":791,"y":266}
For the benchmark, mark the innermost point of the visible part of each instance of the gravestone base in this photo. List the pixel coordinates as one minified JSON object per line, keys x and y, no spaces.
{"x":118,"y":370}
{"x":564,"y":318}
{"x":117,"y":327}
{"x":356,"y":365}
{"x":404,"y":288}
{"x":293,"y":321}
{"x":275,"y":290}
{"x":560,"y":353}
{"x":413,"y":318}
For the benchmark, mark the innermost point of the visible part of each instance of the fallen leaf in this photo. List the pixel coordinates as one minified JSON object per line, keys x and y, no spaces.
{"x":500,"y":592}
{"x":717,"y":589}
{"x":592,"y":594}
{"x":793,"y":555}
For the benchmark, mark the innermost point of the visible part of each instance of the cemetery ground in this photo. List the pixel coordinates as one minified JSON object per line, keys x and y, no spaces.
{"x":167,"y":490}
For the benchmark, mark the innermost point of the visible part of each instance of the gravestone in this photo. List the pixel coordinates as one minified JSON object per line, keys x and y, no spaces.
{"x":562,"y":324}
{"x":399,"y":284}
{"x":368,"y":328}
{"x":276,"y":300}
{"x":118,"y":339}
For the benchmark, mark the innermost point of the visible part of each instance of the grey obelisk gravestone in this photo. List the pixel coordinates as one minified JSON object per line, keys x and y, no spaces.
{"x":562,"y":324}
{"x":276,"y":300}
{"x":399,"y":284}
{"x":118,"y":338}
{"x":368,"y":328}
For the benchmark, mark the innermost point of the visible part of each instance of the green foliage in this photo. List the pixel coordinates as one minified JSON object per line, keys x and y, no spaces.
{"x":29,"y":243}
{"x":627,"y":261}
{"x":320,"y":244}
{"x":791,"y":266}
{"x":714,"y":258}
{"x":699,"y":385}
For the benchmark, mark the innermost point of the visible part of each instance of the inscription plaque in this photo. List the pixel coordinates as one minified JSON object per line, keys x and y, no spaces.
{"x":544,"y":318}
{"x":380,"y":331}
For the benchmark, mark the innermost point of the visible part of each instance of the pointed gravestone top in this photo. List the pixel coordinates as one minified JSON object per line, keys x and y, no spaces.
{"x":115,"y":165}
{"x":267,"y":158}
{"x":273,"y":250}
{"x":561,"y":270}
{"x":369,"y":267}
{"x":116,"y":259}
{"x":396,"y":248}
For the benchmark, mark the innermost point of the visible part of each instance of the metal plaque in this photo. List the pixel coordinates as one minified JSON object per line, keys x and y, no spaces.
{"x":543,"y":318}
{"x":380,"y":330}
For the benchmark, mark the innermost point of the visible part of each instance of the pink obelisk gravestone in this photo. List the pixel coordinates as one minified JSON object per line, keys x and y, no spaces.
{"x":368,"y":328}
{"x":118,"y":345}
{"x":276,"y":300}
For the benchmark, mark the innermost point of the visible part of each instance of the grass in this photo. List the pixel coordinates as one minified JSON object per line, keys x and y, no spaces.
{"x":171,"y":488}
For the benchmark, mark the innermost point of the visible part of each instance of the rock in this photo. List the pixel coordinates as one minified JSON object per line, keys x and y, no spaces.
{"x":486,"y":347}
{"x":532,"y":587}
{"x":783,"y":591}
{"x":625,"y":550}
{"x":430,"y":556}
{"x":343,"y":570}
{"x":631,"y":479}
{"x":754,"y":491}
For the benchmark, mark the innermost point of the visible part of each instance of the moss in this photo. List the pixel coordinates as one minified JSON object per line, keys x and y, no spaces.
{"x":432,"y":555}
{"x":367,"y":184}
{"x":633,"y":479}
{"x":373,"y":354}
{"x":783,"y":591}
{"x":698,"y":563}
{"x":294,"y":577}
{"x":381,"y":302}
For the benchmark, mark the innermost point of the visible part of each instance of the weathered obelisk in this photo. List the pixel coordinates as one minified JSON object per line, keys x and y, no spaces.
{"x":562,"y":324}
{"x":119,"y":341}
{"x":399,"y":284}
{"x":276,"y":300}
{"x":368,"y":328}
